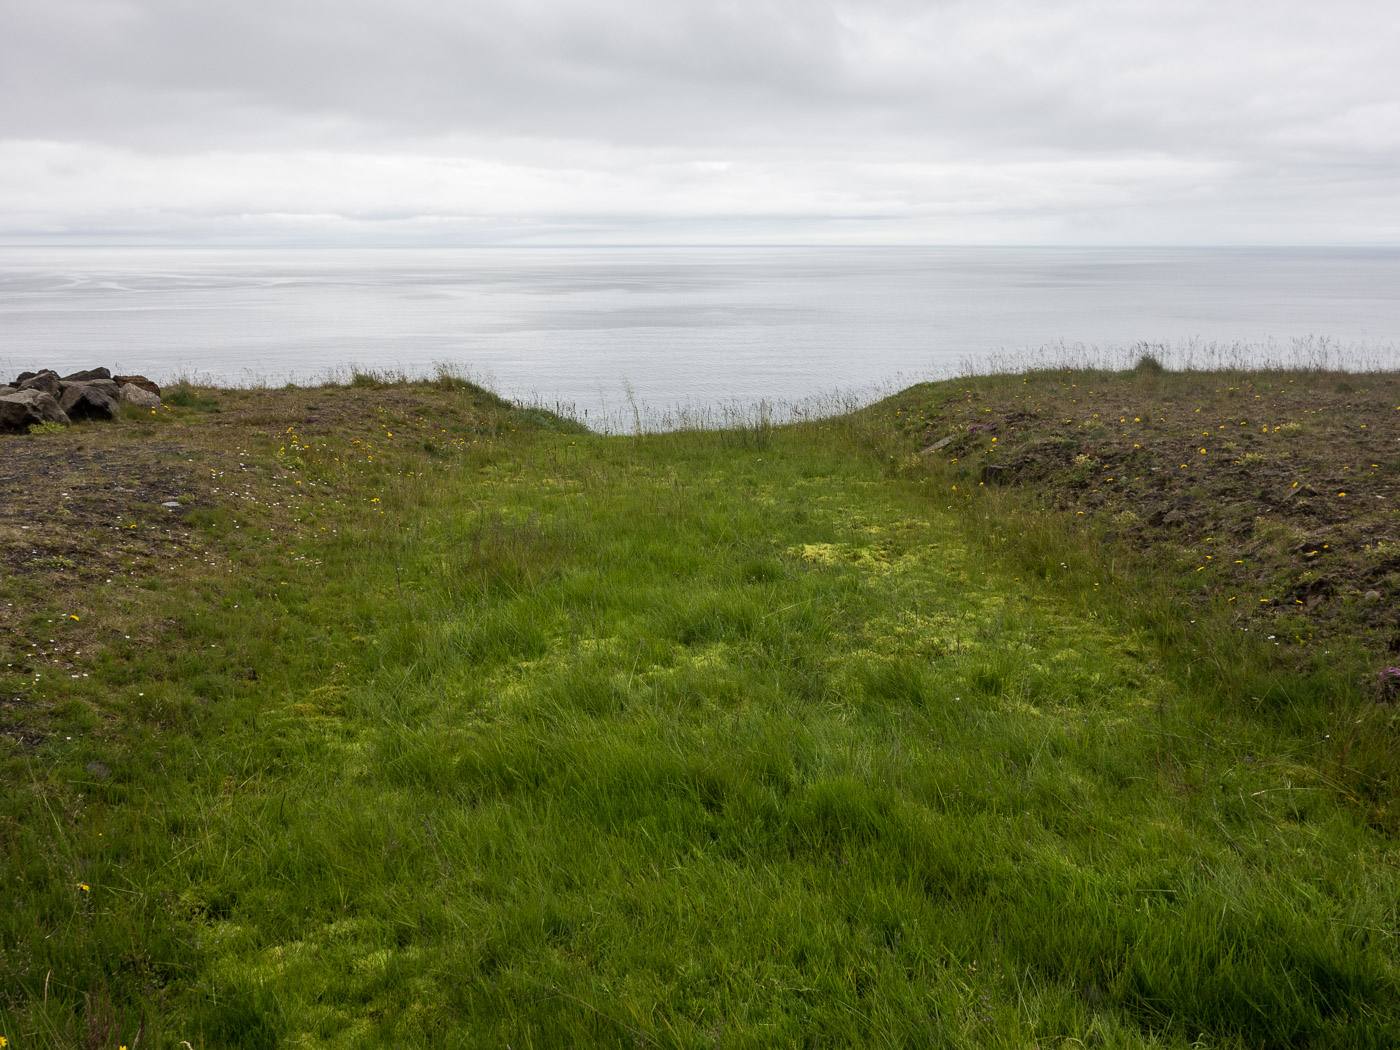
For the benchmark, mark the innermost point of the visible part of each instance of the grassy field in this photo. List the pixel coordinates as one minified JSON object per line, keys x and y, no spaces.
{"x":422,"y":720}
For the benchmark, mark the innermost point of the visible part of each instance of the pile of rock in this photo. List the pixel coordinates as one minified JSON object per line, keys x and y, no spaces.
{"x":47,"y":397}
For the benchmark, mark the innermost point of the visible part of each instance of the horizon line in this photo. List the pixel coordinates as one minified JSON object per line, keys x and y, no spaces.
{"x":499,"y":245}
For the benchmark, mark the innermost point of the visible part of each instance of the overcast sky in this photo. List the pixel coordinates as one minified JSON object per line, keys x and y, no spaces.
{"x":693,"y":121}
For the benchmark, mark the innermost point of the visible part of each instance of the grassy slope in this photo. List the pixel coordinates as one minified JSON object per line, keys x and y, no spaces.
{"x":692,"y":740}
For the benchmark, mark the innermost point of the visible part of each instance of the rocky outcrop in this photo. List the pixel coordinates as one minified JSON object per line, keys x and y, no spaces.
{"x":24,"y":408}
{"x":46,"y":397}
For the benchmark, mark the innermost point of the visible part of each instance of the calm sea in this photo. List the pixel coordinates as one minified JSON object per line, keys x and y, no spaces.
{"x":681,"y":326}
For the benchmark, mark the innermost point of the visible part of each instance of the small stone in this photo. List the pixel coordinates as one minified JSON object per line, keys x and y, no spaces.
{"x":1371,"y":596}
{"x":173,"y":504}
{"x":87,"y":375}
{"x":940,"y":443}
{"x":99,"y":770}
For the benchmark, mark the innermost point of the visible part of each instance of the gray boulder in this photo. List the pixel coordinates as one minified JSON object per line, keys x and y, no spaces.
{"x":8,"y":390}
{"x":131,"y":394}
{"x":46,"y":380}
{"x":95,"y":399}
{"x":88,"y":375}
{"x":24,"y":408}
{"x":141,"y":381}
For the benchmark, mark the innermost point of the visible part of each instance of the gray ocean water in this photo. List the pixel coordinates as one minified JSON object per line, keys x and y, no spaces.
{"x":697,"y":327}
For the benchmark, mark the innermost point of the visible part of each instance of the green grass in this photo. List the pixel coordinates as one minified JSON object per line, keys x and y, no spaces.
{"x":693,"y":740}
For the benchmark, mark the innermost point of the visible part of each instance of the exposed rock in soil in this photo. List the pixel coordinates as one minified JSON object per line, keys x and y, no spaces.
{"x":131,"y":394}
{"x":46,"y":381}
{"x":21,"y":410}
{"x":137,"y":381}
{"x":95,"y":399}
{"x":89,"y":394}
{"x":941,"y":443}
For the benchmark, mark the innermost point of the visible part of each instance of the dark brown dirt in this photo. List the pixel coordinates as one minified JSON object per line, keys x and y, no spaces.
{"x":84,"y":520}
{"x":1278,"y":490}
{"x":82,"y":504}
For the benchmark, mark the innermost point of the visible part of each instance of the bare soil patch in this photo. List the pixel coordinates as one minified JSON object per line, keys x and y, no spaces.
{"x":93,"y":514}
{"x":1277,"y":491}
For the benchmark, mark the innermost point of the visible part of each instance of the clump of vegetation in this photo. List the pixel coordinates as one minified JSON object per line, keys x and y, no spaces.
{"x":185,"y":395}
{"x":1149,"y":365}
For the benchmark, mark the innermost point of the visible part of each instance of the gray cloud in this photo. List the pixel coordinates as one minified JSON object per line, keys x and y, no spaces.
{"x":952,"y":121}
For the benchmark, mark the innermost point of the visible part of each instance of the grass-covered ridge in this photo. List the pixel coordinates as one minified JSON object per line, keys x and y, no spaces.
{"x":428,"y":721}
